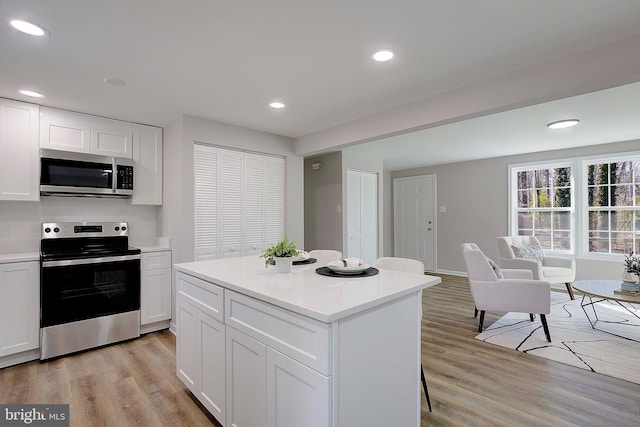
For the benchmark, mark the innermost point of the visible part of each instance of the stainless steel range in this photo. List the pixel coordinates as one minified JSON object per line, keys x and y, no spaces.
{"x":89,"y":286}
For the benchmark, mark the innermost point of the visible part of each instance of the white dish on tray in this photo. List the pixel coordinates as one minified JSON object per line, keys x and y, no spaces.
{"x":302,"y":255}
{"x":356,"y":269}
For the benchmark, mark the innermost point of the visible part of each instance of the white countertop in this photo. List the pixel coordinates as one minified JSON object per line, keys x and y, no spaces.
{"x":305,"y":292}
{"x":151,"y":244}
{"x":19,"y":257}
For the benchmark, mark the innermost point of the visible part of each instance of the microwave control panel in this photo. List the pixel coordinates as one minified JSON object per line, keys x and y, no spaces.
{"x":125,"y":177}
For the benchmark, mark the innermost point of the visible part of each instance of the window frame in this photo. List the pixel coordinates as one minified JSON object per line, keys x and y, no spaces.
{"x":584,"y":214}
{"x":514,"y":210}
{"x":580,"y":209}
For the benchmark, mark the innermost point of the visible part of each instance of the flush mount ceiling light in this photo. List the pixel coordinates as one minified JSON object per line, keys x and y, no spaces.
{"x":28,"y":27}
{"x":31,"y":93}
{"x":382,"y":55}
{"x":115,"y":81}
{"x":561,"y":124}
{"x":277,"y":105}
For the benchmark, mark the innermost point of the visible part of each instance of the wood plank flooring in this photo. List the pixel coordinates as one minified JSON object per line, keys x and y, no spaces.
{"x":470,"y":383}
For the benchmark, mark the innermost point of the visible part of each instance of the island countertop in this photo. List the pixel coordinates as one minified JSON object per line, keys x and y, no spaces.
{"x":304,"y":291}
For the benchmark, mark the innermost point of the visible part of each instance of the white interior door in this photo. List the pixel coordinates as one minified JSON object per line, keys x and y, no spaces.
{"x":362,"y":215}
{"x":414,"y":227}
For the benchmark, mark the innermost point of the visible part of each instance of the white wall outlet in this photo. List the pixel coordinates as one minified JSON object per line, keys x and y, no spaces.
{"x":443,"y":208}
{"x":339,"y":208}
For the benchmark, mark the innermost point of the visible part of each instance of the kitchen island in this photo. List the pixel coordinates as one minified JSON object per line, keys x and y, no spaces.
{"x":260,"y":348}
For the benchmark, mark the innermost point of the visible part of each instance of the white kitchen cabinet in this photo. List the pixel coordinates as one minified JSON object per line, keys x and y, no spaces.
{"x":147,"y":161}
{"x":83,"y":133}
{"x":246,"y":381}
{"x":20,"y":161}
{"x":155,"y":289}
{"x":308,"y":350}
{"x":19,"y":307}
{"x":111,"y":137}
{"x":290,"y":381}
{"x":200,"y":342}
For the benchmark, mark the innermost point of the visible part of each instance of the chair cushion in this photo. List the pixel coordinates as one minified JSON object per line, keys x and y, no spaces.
{"x":528,"y":252}
{"x":556,"y":271}
{"x":495,"y":267}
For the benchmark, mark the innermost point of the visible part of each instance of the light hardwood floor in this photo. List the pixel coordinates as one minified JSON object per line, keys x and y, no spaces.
{"x":470,"y":383}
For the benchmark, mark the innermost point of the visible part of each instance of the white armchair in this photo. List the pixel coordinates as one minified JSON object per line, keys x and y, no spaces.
{"x":554,"y":270}
{"x":516,"y":292}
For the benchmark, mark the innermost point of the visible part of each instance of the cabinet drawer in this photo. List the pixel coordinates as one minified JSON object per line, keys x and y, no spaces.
{"x":301,"y":338}
{"x":203,"y":295}
{"x":153,"y":260}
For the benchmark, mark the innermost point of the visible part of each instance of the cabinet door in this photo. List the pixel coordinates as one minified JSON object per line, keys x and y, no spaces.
{"x":20,"y":160}
{"x":111,"y":138}
{"x":64,"y":130}
{"x":19,"y":307}
{"x":296,"y":394}
{"x":155,"y":294}
{"x":147,"y":162}
{"x":246,"y":381}
{"x":212,"y":356}
{"x":188,"y":345}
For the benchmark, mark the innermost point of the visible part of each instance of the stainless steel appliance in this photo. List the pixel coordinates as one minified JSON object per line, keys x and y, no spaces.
{"x":77,"y":174}
{"x":89,"y":286}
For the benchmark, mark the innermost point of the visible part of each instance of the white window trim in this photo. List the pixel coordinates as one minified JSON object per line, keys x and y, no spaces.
{"x":512,"y":191}
{"x":579,"y":209}
{"x":583,"y":250}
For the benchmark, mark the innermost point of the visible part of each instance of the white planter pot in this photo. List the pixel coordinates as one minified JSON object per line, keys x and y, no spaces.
{"x":283,"y":264}
{"x":629,"y":277}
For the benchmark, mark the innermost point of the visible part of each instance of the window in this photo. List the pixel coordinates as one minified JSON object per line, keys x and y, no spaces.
{"x":613,"y":206}
{"x":542,"y":205}
{"x":601,"y":220}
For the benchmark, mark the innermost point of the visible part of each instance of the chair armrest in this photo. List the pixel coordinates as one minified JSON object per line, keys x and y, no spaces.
{"x":523,"y":264}
{"x":550,"y":261}
{"x":512,"y":273}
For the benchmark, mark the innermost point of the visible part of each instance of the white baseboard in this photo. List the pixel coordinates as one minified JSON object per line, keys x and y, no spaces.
{"x":451,"y":273}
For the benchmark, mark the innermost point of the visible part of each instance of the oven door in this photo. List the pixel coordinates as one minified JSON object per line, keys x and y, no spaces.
{"x":72,"y":290}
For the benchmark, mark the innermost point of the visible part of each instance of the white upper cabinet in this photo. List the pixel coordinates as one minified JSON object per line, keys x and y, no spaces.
{"x":111,"y":138}
{"x":82,"y":133}
{"x":19,"y":162}
{"x":147,"y":165}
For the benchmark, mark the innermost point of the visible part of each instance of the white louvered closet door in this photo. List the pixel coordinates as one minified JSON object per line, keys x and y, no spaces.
{"x":205,"y":170}
{"x":239,"y":202}
{"x":231,"y":205}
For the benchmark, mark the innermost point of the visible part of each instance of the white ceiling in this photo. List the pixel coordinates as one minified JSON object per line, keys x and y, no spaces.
{"x":226,"y":60}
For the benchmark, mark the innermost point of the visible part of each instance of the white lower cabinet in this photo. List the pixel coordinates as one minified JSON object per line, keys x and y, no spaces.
{"x":155,"y":287}
{"x":296,"y":394}
{"x":200,"y":344}
{"x":260,"y":385}
{"x":246,"y":381}
{"x":19,"y":308}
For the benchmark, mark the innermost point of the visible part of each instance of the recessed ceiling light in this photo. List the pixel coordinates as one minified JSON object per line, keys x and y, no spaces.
{"x":28,"y":27}
{"x":277,"y":105}
{"x":31,"y":93}
{"x":561,"y":124}
{"x":383,"y":55}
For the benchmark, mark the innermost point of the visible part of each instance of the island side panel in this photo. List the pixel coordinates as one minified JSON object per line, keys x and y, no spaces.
{"x":377,"y":369}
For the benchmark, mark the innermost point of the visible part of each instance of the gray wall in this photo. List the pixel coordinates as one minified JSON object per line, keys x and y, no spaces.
{"x":476,"y":200}
{"x":322,"y":196}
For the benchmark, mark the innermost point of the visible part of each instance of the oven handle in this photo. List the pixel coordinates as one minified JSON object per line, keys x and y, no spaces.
{"x":82,"y":261}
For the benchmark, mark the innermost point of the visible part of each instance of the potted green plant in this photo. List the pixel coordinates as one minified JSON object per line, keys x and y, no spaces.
{"x":631,"y":273}
{"x":282,"y":254}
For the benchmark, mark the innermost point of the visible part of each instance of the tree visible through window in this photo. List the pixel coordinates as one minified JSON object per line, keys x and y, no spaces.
{"x":613,"y":207}
{"x":544,"y":207}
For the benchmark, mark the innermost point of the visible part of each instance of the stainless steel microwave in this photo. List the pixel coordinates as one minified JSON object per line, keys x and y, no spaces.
{"x":77,"y":174}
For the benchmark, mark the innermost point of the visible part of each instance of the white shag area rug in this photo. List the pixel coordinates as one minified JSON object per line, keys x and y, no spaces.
{"x":612,"y":348}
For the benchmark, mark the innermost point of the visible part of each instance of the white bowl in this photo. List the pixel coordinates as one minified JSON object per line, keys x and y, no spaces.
{"x":348,"y":270}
